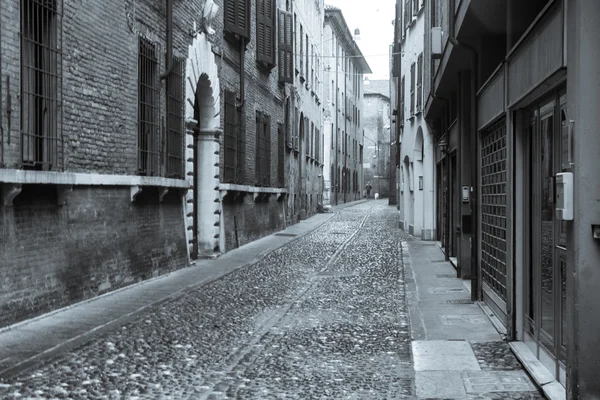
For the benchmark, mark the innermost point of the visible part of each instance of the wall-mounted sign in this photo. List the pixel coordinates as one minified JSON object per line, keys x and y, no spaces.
{"x":466,"y":194}
{"x":420,"y":183}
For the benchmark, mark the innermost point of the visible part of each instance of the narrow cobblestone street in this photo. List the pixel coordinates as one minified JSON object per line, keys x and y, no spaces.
{"x":323,"y":317}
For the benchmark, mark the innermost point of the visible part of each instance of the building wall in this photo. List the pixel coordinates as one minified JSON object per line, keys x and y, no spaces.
{"x":245,"y":217}
{"x":306,"y":165}
{"x":377,"y":143}
{"x":54,"y":255}
{"x":417,"y":149}
{"x":343,"y":92}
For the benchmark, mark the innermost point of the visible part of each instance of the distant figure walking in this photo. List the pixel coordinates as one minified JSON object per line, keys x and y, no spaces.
{"x":368,"y":187}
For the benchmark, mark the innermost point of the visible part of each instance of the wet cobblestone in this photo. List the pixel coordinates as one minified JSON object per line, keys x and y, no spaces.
{"x":306,"y":322}
{"x":495,"y":356}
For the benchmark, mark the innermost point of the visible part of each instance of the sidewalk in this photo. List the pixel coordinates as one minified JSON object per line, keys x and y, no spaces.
{"x":24,"y":344}
{"x":457,"y":351}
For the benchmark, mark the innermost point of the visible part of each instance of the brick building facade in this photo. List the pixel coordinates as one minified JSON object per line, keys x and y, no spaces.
{"x":125,"y":155}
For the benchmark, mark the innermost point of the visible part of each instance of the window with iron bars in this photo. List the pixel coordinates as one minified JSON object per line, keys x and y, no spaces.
{"x":234,"y":155}
{"x":41,"y":83}
{"x":281,"y":155}
{"x":263,"y":149}
{"x":175,"y":121}
{"x":148,"y":109}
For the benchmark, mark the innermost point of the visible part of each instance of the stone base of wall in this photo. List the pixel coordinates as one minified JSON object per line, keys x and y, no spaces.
{"x":52,"y":256}
{"x":250,"y":220}
{"x":428,"y":234}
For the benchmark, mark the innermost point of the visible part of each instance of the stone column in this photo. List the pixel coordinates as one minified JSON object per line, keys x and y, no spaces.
{"x":207,"y":168}
{"x":583,"y":260}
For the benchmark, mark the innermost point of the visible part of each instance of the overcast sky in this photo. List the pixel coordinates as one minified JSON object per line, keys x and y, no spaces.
{"x":374,"y":19}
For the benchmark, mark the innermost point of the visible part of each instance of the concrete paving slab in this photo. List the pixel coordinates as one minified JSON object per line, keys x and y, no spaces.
{"x":454,"y":363}
{"x":497,"y":381}
{"x":442,"y":355}
{"x":440,"y":384}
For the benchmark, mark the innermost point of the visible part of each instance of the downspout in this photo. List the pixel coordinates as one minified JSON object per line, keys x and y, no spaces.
{"x":445,"y":163}
{"x":474,"y":174}
{"x":335,"y":128}
{"x":169,"y":69}
{"x":242,"y":74}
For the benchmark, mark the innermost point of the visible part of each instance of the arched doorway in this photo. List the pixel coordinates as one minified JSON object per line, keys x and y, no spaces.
{"x":418,"y":198}
{"x":408,"y":189}
{"x":202,"y":202}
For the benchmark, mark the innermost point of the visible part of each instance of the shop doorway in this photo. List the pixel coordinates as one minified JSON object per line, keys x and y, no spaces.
{"x":545,"y":265}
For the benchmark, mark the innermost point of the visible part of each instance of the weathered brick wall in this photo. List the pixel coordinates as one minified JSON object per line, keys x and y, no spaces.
{"x":251,"y":220}
{"x":52,"y":256}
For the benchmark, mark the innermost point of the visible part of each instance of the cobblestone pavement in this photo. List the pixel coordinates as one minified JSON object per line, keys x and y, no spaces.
{"x":323,"y":317}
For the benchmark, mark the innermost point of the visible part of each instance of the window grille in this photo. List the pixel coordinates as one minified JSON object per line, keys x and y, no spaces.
{"x":493,"y":207}
{"x":263,"y":149}
{"x":230,"y":139}
{"x":281,"y":155}
{"x":148,"y":109}
{"x":175,"y":136}
{"x":41,"y":83}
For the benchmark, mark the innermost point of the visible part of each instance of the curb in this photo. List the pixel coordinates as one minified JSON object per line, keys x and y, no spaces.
{"x":85,"y":337}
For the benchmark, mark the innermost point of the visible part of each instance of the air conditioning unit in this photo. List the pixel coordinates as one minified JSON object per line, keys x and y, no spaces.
{"x":436,"y":42}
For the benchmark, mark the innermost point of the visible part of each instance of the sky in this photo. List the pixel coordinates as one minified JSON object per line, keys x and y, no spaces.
{"x":374,"y":19}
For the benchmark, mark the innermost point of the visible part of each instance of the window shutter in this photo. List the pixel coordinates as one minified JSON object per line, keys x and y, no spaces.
{"x":265,"y":30}
{"x":286,"y":47}
{"x":412,"y":89}
{"x":419,"y":81}
{"x":237,"y":17}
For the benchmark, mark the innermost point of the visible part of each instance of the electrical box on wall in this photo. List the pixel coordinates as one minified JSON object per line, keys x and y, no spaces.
{"x":564,"y":196}
{"x":436,"y":42}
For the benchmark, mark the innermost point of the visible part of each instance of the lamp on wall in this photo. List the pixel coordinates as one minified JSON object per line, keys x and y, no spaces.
{"x":357,"y":34}
{"x":443,"y":145}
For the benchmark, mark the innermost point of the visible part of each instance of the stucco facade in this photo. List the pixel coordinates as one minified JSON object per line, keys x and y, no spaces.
{"x":416,"y":175}
{"x":343,"y":92}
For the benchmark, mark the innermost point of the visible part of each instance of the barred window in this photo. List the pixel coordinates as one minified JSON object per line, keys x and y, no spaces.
{"x":148,"y":109}
{"x":175,"y":137}
{"x":281,"y":155}
{"x":41,"y":83}
{"x":263,"y":149}
{"x":234,"y":156}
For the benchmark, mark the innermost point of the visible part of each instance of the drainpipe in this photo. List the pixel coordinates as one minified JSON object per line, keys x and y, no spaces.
{"x":242,"y":75}
{"x":474,"y":174}
{"x":169,"y":69}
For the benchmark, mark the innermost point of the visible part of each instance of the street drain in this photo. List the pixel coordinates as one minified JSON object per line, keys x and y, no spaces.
{"x":409,"y":280}
{"x":460,"y":301}
{"x":445,"y":276}
{"x":338,"y":233}
{"x":286,"y":234}
{"x":437,"y":261}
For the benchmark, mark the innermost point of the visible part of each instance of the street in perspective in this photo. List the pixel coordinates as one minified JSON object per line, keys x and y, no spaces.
{"x":299,"y":199}
{"x":328,"y":315}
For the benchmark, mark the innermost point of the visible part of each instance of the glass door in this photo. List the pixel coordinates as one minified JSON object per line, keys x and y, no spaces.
{"x":546,"y":273}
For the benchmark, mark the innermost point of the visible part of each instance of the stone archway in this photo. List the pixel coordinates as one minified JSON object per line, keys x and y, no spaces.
{"x":418,"y":205}
{"x":408,"y":188}
{"x":202,"y":113}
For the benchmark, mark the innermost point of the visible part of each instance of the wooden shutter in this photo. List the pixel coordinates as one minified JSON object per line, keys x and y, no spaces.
{"x":419,"y":81}
{"x":237,"y":17}
{"x":412,"y":89}
{"x":265,"y":31}
{"x":286,"y":47}
{"x":267,"y":150}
